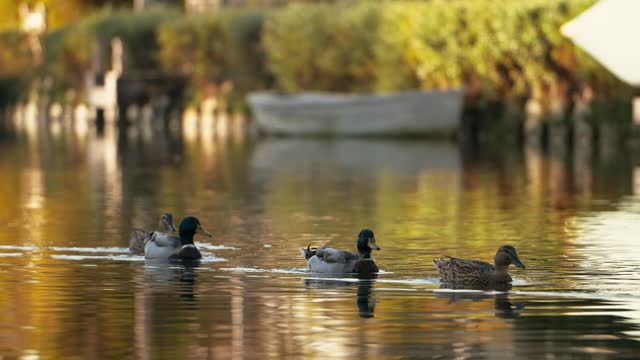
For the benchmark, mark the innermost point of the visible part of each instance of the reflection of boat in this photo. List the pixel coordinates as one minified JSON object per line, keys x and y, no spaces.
{"x":406,"y":113}
{"x":374,"y":155}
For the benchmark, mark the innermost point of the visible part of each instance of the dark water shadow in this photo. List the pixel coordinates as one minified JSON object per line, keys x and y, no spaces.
{"x":586,"y":328}
{"x":503,"y":306}
{"x":175,"y":277}
{"x":365,"y":296}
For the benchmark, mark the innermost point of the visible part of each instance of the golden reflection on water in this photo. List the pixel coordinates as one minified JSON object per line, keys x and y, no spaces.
{"x":469,"y":204}
{"x":71,"y":186}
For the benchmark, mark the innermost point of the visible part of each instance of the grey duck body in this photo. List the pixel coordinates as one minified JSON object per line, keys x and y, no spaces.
{"x":333,"y":261}
{"x":139,"y":238}
{"x":161,"y":246}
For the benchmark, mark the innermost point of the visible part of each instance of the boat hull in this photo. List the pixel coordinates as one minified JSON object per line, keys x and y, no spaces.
{"x":407,"y":113}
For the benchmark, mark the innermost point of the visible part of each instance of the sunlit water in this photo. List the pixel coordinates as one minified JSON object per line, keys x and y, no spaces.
{"x":70,"y":290}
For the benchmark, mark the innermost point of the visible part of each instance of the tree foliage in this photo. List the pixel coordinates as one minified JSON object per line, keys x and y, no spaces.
{"x":511,"y":50}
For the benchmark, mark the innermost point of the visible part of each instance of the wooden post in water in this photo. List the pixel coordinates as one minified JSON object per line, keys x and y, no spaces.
{"x":582,"y":141}
{"x":607,"y":140}
{"x":533,"y":123}
{"x":634,"y":139}
{"x":100,"y":121}
{"x":636,"y":180}
{"x":559,"y":129}
{"x":635,"y":108}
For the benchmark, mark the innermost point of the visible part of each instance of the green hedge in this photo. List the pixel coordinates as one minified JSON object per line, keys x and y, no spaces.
{"x":512,"y":51}
{"x":207,"y":49}
{"x":323,"y":47}
{"x":213,"y":48}
{"x":15,"y":55}
{"x":496,"y":51}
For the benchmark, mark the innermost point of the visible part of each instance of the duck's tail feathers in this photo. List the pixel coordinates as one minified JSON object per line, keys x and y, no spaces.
{"x":308,"y":252}
{"x":137,"y":241}
{"x":442,"y":262}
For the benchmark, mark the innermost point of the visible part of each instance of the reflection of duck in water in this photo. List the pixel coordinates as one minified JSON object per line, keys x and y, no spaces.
{"x":159,"y":246}
{"x":503,"y":307}
{"x":476,"y":273}
{"x":139,"y":237}
{"x":329,"y":260}
{"x":162,"y":295}
{"x":187,"y":279}
{"x":178,"y":280}
{"x":365,"y":298}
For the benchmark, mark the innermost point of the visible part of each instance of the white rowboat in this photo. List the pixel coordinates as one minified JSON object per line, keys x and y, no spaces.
{"x":434,"y":112}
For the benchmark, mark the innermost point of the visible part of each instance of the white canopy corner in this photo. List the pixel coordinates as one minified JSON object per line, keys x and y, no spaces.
{"x":610,"y":32}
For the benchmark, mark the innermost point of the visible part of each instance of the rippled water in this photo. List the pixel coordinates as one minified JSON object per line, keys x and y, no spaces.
{"x":69,"y":198}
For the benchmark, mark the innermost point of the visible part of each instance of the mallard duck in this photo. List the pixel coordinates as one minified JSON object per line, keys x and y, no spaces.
{"x":138,"y":237}
{"x":329,"y":260}
{"x":164,"y":246}
{"x":479,"y":273}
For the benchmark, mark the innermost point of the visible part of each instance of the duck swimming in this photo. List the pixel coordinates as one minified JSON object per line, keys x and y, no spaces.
{"x":329,"y":260}
{"x":138,"y":237}
{"x":164,"y":246}
{"x":479,"y":273}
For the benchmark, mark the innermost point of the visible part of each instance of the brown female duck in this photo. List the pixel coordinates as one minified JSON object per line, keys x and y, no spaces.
{"x":479,"y":273}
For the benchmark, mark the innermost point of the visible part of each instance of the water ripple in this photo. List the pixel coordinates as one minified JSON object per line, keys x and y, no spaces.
{"x":90,"y":249}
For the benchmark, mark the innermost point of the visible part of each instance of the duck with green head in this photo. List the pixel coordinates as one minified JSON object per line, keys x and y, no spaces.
{"x":163,"y":246}
{"x":479,"y":273}
{"x":333,"y":261}
{"x":140,"y":237}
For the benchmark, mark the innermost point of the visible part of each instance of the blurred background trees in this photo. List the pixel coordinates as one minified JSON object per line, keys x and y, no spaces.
{"x":59,"y":12}
{"x":512,"y":51}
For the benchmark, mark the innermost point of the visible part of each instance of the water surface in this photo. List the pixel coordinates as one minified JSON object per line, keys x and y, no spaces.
{"x":69,"y":198}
